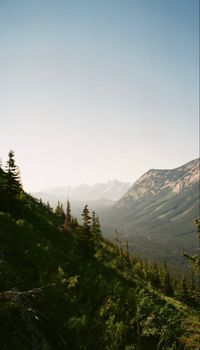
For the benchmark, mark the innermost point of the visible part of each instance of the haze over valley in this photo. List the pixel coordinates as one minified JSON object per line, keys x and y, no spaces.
{"x":100,"y":194}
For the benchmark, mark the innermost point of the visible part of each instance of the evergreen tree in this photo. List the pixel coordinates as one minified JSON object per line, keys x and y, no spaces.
{"x":156,"y":276}
{"x":191,"y":280}
{"x":13,"y":180}
{"x":60,"y":212}
{"x":182,"y":291}
{"x":3,"y":183}
{"x":96,"y":227}
{"x":74,"y":223}
{"x":126,"y":253}
{"x":126,"y":248}
{"x":68,"y":218}
{"x":85,"y":236}
{"x":118,"y":243}
{"x":194,"y":259}
{"x":58,"y":207}
{"x":48,"y":206}
{"x":86,"y":220}
{"x":93,"y":222}
{"x":167,"y":284}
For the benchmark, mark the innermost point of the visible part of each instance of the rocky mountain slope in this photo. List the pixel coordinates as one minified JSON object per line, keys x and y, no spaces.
{"x":156,"y":181}
{"x":156,"y":213}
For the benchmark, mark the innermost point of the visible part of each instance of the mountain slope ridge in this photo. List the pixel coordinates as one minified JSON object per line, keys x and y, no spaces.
{"x":157,"y":180}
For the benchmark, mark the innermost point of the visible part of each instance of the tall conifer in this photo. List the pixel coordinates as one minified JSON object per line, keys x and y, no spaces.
{"x":68,"y":218}
{"x":13,"y":179}
{"x":86,"y":219}
{"x":96,"y":227}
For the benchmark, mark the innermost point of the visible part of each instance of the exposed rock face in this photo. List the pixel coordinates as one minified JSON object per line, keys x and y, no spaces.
{"x":156,"y":181}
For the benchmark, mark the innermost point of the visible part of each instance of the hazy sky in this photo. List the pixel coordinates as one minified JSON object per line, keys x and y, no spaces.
{"x":93,"y":90}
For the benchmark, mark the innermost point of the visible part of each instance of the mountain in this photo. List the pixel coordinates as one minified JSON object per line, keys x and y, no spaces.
{"x":156,"y":213}
{"x":72,"y":289}
{"x":100,"y":194}
{"x":156,"y":181}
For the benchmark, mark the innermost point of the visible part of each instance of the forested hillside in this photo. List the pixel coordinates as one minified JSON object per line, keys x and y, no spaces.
{"x":64,"y":286}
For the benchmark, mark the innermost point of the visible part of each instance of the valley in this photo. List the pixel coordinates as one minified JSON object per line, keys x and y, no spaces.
{"x":155,"y":214}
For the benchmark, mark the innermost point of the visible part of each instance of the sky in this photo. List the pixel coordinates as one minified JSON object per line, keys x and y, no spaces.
{"x":92,"y":90}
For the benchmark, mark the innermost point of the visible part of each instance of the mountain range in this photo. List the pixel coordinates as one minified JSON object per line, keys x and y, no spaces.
{"x":156,"y":214}
{"x":99,"y":195}
{"x":67,"y":287}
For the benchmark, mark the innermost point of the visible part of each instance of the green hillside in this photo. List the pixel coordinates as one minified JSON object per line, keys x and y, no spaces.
{"x":63,"y":286}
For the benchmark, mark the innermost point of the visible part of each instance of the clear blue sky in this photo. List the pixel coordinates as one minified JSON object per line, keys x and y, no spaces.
{"x":95,"y":90}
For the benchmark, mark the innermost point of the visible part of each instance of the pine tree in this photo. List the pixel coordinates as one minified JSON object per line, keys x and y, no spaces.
{"x":13,"y":180}
{"x":167,"y":284}
{"x":86,"y":220}
{"x":194,"y":259}
{"x":93,"y":222}
{"x":156,"y":276}
{"x":191,"y":280}
{"x":85,"y":235}
{"x":58,"y":207}
{"x":74,"y":223}
{"x":182,"y":291}
{"x":68,"y":218}
{"x":48,"y":206}
{"x":126,"y":253}
{"x":60,"y":212}
{"x":3,"y":182}
{"x":118,"y":242}
{"x":96,"y":227}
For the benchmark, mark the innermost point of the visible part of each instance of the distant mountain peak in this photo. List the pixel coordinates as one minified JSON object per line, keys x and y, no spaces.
{"x":111,"y":190}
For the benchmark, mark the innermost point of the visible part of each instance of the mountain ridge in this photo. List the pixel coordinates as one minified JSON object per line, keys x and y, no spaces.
{"x":156,"y":214}
{"x":156,"y":180}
